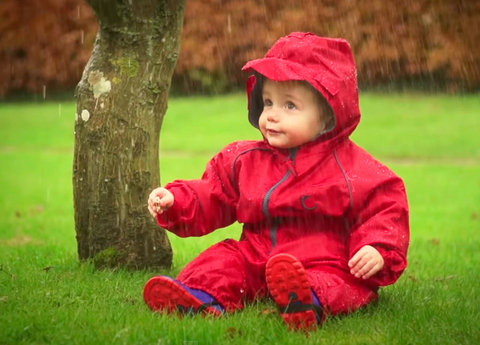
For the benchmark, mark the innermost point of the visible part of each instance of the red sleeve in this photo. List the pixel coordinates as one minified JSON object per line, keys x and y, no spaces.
{"x":204,"y":205}
{"x":383,"y":223}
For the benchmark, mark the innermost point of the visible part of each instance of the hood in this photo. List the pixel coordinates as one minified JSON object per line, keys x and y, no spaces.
{"x":326,"y":63}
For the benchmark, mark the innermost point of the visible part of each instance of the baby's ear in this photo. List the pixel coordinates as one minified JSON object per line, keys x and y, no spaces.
{"x":328,"y":116}
{"x":324,"y":127}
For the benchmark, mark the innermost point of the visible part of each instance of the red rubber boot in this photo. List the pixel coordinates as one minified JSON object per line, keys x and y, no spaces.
{"x":163,"y":293}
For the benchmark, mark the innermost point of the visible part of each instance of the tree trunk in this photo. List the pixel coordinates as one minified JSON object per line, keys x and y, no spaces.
{"x":121,"y":101}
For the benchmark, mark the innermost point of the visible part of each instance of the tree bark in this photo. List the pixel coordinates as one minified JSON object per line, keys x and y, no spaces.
{"x":121,"y":101}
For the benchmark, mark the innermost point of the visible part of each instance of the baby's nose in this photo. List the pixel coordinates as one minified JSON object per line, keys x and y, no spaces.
{"x":273,"y":115}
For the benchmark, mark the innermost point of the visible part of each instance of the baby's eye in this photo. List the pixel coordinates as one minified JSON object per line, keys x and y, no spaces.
{"x":291,"y":106}
{"x":267,"y":103}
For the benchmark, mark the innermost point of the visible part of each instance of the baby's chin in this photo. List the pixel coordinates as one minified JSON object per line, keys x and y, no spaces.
{"x":280,"y":145}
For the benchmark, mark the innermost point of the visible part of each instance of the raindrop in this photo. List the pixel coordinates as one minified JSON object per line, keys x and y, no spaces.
{"x":59,"y":110}
{"x":44,"y":91}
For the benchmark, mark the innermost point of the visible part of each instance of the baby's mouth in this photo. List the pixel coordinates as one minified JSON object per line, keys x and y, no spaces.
{"x":272,"y":131}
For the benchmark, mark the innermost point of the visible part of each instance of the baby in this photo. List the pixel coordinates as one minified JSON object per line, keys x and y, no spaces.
{"x":324,"y":223}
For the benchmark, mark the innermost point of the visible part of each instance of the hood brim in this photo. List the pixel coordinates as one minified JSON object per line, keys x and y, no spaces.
{"x":279,"y":70}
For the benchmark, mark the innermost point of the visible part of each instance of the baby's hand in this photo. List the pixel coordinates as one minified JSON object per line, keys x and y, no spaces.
{"x":159,"y":200}
{"x":366,"y":262}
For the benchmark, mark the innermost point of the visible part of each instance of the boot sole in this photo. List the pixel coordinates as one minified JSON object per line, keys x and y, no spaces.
{"x":288,"y":283}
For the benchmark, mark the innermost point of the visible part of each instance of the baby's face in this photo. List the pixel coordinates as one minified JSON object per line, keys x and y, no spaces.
{"x":291,"y":114}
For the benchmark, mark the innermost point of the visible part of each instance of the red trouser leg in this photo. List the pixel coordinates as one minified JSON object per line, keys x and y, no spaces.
{"x":223,"y":272}
{"x":339,"y":292}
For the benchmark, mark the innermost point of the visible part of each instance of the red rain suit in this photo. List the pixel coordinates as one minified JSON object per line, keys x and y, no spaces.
{"x":320,"y":202}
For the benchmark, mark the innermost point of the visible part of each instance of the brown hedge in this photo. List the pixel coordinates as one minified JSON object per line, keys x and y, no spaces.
{"x":44,"y":44}
{"x":48,"y":42}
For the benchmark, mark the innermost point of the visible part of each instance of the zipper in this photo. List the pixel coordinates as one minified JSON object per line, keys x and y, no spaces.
{"x":268,"y":195}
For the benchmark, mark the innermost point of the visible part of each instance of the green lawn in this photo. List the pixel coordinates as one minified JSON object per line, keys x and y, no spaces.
{"x":48,"y":297}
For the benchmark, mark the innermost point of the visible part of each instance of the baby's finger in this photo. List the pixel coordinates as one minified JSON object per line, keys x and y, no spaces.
{"x":360,"y":264}
{"x":151,"y":199}
{"x":151,"y":211}
{"x":355,"y":259}
{"x":365,"y":269}
{"x":372,"y":271}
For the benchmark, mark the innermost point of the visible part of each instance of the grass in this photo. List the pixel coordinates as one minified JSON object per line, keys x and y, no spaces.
{"x":48,"y":297}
